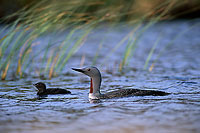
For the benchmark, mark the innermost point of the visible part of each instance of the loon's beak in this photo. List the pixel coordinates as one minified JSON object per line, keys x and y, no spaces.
{"x":78,"y":70}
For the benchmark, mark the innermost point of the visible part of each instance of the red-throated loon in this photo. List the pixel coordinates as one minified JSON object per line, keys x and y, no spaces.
{"x":95,"y":76}
{"x":43,"y":91}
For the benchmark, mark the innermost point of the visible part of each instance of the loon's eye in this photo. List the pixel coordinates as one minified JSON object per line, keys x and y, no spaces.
{"x":88,"y":69}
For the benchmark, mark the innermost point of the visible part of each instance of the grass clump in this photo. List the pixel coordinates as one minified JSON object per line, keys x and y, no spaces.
{"x":78,"y":17}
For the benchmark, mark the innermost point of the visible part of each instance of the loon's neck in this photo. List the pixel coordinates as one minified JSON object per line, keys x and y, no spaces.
{"x":95,"y":87}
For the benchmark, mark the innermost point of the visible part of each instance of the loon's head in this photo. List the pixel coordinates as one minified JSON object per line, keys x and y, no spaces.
{"x":89,"y":71}
{"x":40,"y":86}
{"x":95,"y":76}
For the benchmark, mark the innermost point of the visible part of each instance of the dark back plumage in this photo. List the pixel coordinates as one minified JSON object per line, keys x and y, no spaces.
{"x":132,"y":92}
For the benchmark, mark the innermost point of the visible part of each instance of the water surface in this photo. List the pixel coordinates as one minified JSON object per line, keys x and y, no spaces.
{"x":177,"y":71}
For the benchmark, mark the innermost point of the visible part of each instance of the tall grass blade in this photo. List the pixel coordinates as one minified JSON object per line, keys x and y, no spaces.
{"x":97,"y":53}
{"x":74,"y":48}
{"x":65,"y":45}
{"x":171,"y":42}
{"x":4,"y":73}
{"x":150,"y":53}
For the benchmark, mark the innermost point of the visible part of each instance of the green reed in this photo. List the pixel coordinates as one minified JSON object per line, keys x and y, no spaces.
{"x":19,"y":40}
{"x":132,"y":43}
{"x":169,"y":44}
{"x":77,"y":17}
{"x":151,"y":53}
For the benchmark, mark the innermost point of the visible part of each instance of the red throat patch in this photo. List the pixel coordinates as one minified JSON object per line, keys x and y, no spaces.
{"x":91,"y":86}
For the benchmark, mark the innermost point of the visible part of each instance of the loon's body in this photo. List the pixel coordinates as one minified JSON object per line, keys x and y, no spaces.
{"x":131,"y":92}
{"x":50,"y":91}
{"x":95,"y":76}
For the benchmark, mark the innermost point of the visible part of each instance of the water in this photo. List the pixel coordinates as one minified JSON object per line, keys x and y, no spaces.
{"x":177,"y":72}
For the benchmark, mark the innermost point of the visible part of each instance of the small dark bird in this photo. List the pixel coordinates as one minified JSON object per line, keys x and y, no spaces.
{"x":43,"y":91}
